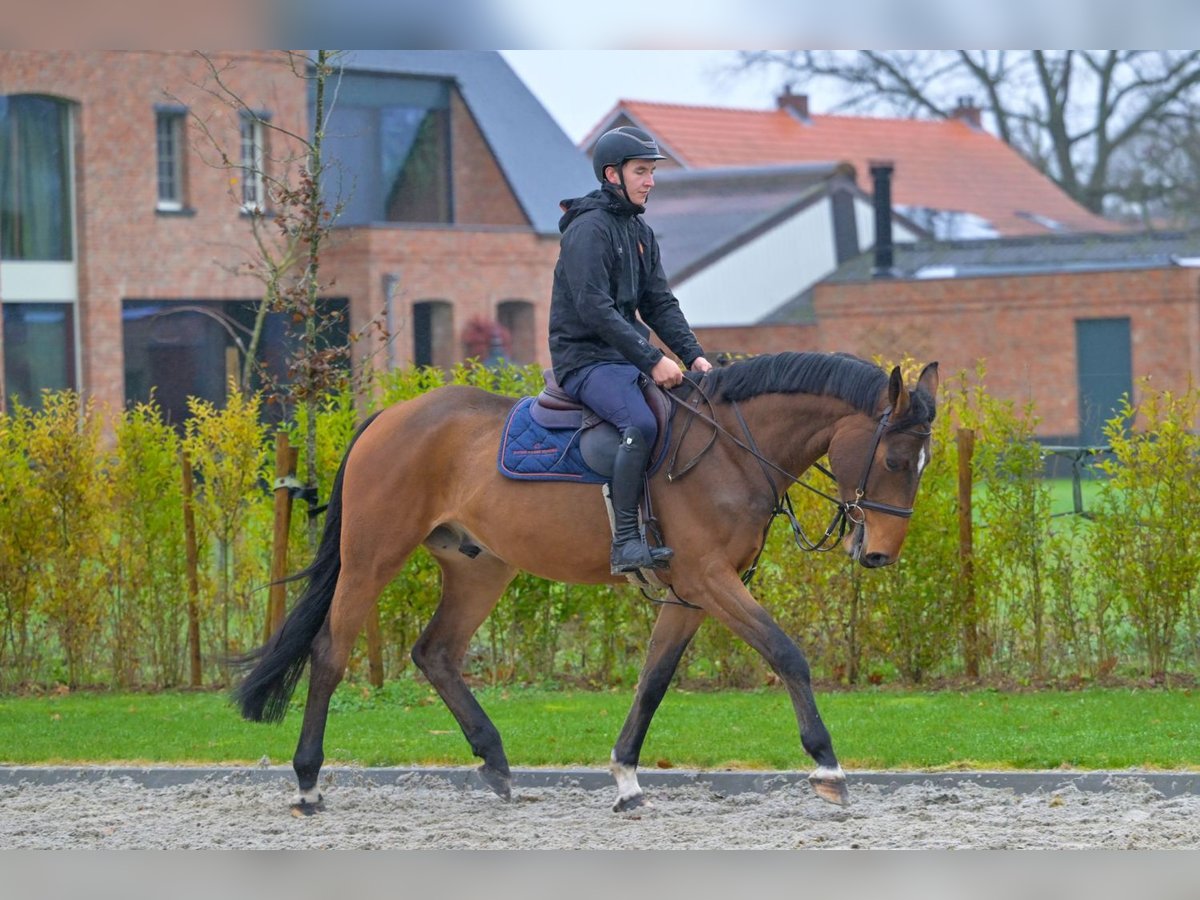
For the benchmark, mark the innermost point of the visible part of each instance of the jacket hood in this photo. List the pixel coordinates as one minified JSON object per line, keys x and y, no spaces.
{"x":607,"y":197}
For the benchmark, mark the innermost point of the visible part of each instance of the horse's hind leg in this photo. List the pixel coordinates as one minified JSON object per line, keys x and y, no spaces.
{"x":352,"y":601}
{"x":470,"y":591}
{"x":673,"y":630}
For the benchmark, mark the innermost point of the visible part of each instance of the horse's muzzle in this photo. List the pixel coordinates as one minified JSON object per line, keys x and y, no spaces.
{"x":855,"y":542}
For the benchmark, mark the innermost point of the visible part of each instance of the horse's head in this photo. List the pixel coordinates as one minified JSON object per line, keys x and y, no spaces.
{"x":878,"y":464}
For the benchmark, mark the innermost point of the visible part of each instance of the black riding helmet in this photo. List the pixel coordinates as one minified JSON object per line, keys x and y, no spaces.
{"x":621,"y":144}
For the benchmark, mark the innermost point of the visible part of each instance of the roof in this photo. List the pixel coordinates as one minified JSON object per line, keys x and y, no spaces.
{"x":1044,"y":255}
{"x":697,"y":215}
{"x":537,"y":157}
{"x":939,"y":164}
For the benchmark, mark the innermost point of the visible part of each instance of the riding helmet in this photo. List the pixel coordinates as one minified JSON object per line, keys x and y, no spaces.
{"x":620,"y":144}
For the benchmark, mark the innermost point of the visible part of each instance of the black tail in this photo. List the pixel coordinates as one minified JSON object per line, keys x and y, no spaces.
{"x":264,"y":693}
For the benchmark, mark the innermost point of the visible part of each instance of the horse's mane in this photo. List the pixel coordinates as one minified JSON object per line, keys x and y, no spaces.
{"x":840,"y":375}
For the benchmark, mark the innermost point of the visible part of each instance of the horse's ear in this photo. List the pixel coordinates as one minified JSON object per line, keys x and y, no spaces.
{"x":897,"y":394}
{"x":929,"y":379}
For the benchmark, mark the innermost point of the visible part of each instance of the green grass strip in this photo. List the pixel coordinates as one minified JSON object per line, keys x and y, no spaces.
{"x":405,"y":724}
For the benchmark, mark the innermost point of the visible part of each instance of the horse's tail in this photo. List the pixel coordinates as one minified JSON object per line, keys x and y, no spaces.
{"x":264,"y":693}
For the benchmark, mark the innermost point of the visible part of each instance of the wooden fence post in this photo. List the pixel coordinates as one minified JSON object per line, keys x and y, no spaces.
{"x":374,"y":648}
{"x":193,"y":581}
{"x":285,"y":475}
{"x":965,"y":440}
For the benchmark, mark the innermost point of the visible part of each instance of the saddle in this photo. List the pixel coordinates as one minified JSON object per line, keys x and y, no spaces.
{"x":554,"y":409}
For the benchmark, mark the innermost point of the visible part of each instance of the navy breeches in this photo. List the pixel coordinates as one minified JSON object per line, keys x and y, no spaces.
{"x":613,"y":391}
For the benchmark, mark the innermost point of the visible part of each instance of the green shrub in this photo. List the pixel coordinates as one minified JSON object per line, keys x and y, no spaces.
{"x":147,"y":587}
{"x":93,"y":577}
{"x":227,"y":449}
{"x":71,"y":497}
{"x":1147,"y":518}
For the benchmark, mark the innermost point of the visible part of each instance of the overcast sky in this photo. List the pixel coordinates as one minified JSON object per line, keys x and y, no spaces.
{"x":579,"y":87}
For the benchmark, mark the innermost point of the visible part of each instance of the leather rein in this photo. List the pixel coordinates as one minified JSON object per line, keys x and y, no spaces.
{"x":848,"y":512}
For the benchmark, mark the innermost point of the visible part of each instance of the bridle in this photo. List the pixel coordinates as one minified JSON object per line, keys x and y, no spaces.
{"x":848,"y":513}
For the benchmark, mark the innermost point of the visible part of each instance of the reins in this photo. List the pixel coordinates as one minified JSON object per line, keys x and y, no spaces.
{"x":848,"y":511}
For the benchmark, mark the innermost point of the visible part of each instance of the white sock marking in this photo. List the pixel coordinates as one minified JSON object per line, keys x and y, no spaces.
{"x":627,"y":780}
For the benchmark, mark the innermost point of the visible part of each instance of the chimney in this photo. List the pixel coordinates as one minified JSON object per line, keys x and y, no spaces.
{"x":968,"y":112}
{"x":881,"y":175}
{"x":796,"y":104}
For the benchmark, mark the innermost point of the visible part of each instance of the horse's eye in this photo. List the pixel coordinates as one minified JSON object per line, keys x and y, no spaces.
{"x":893,"y":465}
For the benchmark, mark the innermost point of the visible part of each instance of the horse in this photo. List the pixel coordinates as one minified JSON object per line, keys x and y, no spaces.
{"x":424,"y":472}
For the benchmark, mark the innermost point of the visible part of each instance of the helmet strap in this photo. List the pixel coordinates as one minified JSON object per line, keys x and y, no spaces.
{"x":624,"y":190}
{"x":621,"y":182}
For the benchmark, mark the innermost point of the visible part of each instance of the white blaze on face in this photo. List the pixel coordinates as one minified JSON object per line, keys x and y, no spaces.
{"x":922,"y":461}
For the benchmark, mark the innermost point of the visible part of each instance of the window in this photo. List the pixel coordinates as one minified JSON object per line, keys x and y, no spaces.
{"x":35,"y":179}
{"x":517,"y":318}
{"x":252,"y":158}
{"x":169,"y":124}
{"x":180,"y":349}
{"x":37,"y":265}
{"x":388,"y":140}
{"x":433,"y":334}
{"x":39,"y":355}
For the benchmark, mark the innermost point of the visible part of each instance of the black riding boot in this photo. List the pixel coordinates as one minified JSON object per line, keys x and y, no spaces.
{"x":630,"y":551}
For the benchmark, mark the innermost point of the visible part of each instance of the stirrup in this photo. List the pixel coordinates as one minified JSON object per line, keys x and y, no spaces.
{"x":635,"y":555}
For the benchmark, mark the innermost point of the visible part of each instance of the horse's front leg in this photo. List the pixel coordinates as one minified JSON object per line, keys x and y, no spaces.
{"x":726,"y":598}
{"x":672,"y":632}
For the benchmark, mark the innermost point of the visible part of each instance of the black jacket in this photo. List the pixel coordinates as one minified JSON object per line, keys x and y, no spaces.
{"x":609,"y":271}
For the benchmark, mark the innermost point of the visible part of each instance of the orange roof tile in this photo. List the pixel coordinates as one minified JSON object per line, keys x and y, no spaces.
{"x":941,"y":164}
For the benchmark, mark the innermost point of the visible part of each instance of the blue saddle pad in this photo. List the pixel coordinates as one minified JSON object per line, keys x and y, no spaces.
{"x":531,"y":452}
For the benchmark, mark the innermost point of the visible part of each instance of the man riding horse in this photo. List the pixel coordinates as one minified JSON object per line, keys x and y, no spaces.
{"x":609,"y":273}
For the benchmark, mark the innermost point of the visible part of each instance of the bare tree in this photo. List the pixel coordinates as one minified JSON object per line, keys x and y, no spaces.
{"x":289,"y":225}
{"x":1082,"y":117}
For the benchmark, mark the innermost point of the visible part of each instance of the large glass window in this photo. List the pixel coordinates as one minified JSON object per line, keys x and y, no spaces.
{"x":388,"y":143}
{"x":39,"y":341}
{"x":35,"y":179}
{"x":180,"y":349}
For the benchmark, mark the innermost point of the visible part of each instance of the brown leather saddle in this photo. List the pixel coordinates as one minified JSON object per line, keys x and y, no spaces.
{"x":555,"y":409}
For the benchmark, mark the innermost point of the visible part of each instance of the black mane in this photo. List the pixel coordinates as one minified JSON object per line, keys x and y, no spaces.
{"x":855,"y":381}
{"x":839,"y":375}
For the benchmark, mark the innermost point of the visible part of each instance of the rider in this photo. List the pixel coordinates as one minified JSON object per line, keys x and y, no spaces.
{"x":608,"y":273}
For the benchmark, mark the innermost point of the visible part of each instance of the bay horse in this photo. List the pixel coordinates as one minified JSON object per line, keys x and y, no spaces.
{"x":424,"y":472}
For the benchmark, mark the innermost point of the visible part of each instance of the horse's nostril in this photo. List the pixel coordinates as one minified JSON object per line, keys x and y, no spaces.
{"x":875,"y":560}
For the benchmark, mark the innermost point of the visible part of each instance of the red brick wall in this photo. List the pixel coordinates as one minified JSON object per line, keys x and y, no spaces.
{"x":474,"y":269}
{"x":125,"y":249}
{"x":481,"y":193}
{"x":1022,"y":328}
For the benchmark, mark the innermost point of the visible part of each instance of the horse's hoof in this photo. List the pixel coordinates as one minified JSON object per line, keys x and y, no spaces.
{"x":830,"y":787}
{"x":499,"y":782}
{"x":302,"y":809}
{"x":632,"y":802}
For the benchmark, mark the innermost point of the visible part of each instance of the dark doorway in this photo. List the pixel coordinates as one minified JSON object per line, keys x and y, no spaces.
{"x":1104,"y":357}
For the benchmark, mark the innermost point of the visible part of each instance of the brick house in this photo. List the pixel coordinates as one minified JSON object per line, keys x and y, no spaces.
{"x":1064,"y":308}
{"x":120,"y":239}
{"x":1068,"y":322}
